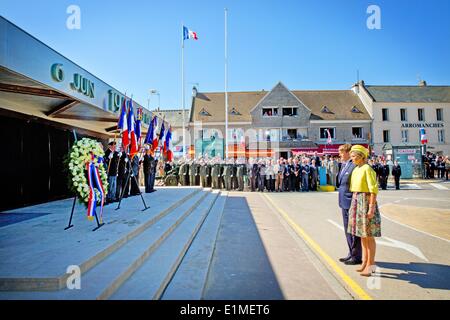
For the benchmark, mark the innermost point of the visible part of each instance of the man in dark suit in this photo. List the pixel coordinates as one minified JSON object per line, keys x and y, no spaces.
{"x":345,"y":198}
{"x":111,"y":164}
{"x":397,"y":172}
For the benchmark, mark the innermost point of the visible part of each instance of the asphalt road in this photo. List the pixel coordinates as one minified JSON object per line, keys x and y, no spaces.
{"x":287,"y":246}
{"x":413,"y":261}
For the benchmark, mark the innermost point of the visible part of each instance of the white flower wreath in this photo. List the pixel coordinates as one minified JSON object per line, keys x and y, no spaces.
{"x":79,"y":155}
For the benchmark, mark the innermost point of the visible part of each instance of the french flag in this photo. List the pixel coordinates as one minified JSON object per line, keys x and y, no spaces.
{"x":189,"y":34}
{"x":168,"y":145}
{"x":423,"y":136}
{"x":151,"y":137}
{"x":161,"y":133}
{"x":131,"y":125}
{"x":138,"y":125}
{"x":123,"y":125}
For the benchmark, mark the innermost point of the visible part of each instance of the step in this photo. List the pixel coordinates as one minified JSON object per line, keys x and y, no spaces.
{"x":36,"y":259}
{"x":190,"y":278}
{"x":103,"y":279}
{"x":150,"y":280}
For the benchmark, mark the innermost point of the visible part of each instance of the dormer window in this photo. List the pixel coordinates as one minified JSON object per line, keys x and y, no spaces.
{"x":325,"y":110}
{"x":356,"y":110}
{"x":234,"y":112}
{"x":203,"y":112}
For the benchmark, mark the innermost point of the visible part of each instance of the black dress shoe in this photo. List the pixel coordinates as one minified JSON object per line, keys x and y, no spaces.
{"x":345,"y":259}
{"x":352,"y":262}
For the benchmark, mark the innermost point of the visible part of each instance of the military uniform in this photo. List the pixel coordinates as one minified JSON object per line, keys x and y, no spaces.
{"x":221,"y":177}
{"x":182,"y":174}
{"x":240,"y":170}
{"x":227,"y":172}
{"x":192,"y":174}
{"x":215,"y":175}
{"x":208,"y":175}
{"x":203,"y":175}
{"x":234,"y":178}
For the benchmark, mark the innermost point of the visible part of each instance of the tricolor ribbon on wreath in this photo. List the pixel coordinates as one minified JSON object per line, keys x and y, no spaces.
{"x":95,"y":182}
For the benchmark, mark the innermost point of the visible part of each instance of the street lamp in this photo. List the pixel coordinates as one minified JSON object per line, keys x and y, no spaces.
{"x":156,"y":92}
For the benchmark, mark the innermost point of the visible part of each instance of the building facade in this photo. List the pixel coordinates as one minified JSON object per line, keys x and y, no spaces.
{"x":46,"y":102}
{"x":398,"y":113}
{"x":280,"y":122}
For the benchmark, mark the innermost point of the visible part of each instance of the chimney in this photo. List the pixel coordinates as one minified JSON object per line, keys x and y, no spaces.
{"x":355,"y":88}
{"x":422,"y":83}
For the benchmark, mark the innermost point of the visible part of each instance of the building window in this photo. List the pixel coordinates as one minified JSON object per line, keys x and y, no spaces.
{"x":385,"y":114}
{"x":356,"y":110}
{"x":439,"y":115}
{"x":324,"y":133}
{"x":357,"y":132}
{"x":234,"y":112}
{"x":325,"y":110}
{"x":290,"y":111}
{"x":403,"y":116}
{"x":203,"y":112}
{"x":441,"y":136}
{"x":292,"y":133}
{"x":386,"y":136}
{"x":270,"y":112}
{"x":421,"y":114}
{"x":405,"y":137}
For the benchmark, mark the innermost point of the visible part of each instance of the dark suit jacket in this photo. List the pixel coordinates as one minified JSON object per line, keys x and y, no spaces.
{"x":345,"y":196}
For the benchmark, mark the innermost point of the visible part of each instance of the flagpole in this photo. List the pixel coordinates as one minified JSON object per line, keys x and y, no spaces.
{"x":226,"y":87}
{"x":182,"y":87}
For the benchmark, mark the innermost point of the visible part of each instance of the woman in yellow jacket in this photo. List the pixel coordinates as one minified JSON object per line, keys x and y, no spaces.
{"x":364,"y":216}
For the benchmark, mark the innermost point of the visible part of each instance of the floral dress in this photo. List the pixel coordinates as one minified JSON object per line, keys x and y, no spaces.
{"x":359,"y":224}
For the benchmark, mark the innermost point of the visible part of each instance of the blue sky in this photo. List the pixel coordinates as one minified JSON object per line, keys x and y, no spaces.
{"x":135,"y":45}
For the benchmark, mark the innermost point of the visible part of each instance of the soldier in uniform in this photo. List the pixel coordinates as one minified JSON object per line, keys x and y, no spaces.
{"x":208,"y":173}
{"x":192,"y":172}
{"x":234,"y":178}
{"x":240,"y":176}
{"x":221,"y":174}
{"x":203,"y":173}
{"x":215,"y":173}
{"x":252,"y":169}
{"x":183,"y":172}
{"x":227,"y":172}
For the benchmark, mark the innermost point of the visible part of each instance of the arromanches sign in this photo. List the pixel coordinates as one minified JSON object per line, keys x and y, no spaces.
{"x":422,"y":125}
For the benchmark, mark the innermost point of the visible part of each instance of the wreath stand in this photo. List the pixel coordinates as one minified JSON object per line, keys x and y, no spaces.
{"x":70,"y":225}
{"x":131,"y":174}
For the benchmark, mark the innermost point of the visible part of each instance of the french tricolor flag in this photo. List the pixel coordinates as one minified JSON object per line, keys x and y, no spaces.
{"x":123,"y":125}
{"x":131,"y":125}
{"x":189,"y":34}
{"x":168,"y":145}
{"x":423,"y":136}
